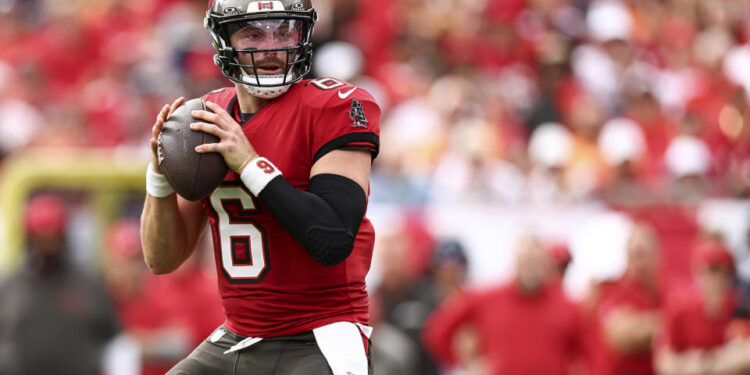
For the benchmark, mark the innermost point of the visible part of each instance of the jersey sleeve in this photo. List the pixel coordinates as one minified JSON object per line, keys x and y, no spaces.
{"x":670,"y":333}
{"x":441,"y":326}
{"x":351,"y":123}
{"x":223,"y":97}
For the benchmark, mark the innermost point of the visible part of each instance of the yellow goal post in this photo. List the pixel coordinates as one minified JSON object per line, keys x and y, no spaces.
{"x":107,"y":175}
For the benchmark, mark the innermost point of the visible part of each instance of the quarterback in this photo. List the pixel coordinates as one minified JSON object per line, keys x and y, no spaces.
{"x":291,"y":240}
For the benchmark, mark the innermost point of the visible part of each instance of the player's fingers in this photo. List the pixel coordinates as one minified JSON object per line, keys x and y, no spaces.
{"x":222,"y":113}
{"x":206,"y":116}
{"x":160,"y":120}
{"x":213,"y":118}
{"x":155,"y":153}
{"x":208,"y":128}
{"x":156,"y":130}
{"x":178,"y":102}
{"x":209,"y":147}
{"x":163,"y":112}
{"x":158,"y":126}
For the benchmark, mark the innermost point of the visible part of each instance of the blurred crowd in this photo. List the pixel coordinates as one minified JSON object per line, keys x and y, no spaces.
{"x":439,"y":324}
{"x":58,"y":316}
{"x":638,"y":106}
{"x":507,"y":101}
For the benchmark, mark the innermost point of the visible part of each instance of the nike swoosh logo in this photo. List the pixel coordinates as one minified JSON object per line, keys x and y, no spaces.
{"x":344,"y":95}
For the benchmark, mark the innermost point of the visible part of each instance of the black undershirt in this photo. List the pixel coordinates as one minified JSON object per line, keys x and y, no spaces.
{"x":244,"y":117}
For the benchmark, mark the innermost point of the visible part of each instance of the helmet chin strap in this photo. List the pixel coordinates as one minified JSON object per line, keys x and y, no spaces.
{"x":273,"y":86}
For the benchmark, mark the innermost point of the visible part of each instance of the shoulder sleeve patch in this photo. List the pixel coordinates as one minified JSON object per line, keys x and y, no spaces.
{"x":348,"y":119}
{"x":357,"y":114}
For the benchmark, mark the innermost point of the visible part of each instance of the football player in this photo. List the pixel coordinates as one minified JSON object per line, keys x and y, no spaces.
{"x":291,"y":242}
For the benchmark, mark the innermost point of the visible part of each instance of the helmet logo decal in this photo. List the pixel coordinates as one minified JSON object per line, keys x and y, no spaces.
{"x":263,"y":6}
{"x":231,"y":11}
{"x":357,"y":115}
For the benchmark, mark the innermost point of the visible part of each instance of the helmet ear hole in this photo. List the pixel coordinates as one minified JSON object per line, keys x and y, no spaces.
{"x":225,"y":68}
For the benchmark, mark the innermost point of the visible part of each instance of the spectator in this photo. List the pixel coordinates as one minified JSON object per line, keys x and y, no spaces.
{"x":688,"y":160}
{"x":508,"y":329}
{"x":54,"y":317}
{"x":622,"y":146}
{"x":391,"y":344}
{"x":695,"y":337}
{"x":560,"y":255}
{"x":15,"y":110}
{"x":550,"y":149}
{"x":446,"y":277}
{"x":626,"y":311}
{"x":152,"y":308}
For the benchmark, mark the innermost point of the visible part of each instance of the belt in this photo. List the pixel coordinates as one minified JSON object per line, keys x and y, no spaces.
{"x":245,"y":341}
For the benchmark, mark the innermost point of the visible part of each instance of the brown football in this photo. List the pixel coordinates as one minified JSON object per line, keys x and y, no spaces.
{"x":192,"y":175}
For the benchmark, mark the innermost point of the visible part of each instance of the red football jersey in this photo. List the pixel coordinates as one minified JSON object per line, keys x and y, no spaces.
{"x":269,"y":284}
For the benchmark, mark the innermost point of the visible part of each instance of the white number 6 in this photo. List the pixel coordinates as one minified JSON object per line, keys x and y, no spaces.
{"x":241,"y":241}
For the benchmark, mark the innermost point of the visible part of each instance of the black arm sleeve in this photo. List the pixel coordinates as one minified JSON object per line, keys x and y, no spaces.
{"x":325,"y":219}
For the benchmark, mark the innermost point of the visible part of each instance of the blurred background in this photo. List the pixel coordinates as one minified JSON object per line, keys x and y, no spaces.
{"x":570,"y":122}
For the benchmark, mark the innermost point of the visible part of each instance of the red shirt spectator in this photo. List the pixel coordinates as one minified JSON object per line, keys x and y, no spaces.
{"x":626,"y":312}
{"x":514,"y":329}
{"x":168,"y":315}
{"x":687,"y":324}
{"x":676,"y":228}
{"x":695,"y":337}
{"x":515,"y":325}
{"x":626,"y":294}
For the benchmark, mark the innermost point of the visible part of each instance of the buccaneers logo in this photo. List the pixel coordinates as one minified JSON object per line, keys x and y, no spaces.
{"x":357,"y":114}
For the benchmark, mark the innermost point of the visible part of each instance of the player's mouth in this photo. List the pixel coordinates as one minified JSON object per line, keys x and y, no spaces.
{"x":268,"y":69}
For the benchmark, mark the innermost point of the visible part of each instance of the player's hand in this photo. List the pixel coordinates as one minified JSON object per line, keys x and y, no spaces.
{"x":233,"y":145}
{"x":156,"y":130}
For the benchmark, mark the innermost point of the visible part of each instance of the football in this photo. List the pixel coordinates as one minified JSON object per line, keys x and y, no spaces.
{"x":192,"y":175}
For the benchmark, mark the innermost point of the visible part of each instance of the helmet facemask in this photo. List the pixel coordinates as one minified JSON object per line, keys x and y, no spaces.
{"x":265,"y":52}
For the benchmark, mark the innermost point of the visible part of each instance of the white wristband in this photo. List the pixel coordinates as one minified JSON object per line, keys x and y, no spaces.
{"x":157,"y":184}
{"x":258,"y":173}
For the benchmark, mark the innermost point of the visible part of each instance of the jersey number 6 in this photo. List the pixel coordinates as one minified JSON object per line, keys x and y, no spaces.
{"x":241,"y":241}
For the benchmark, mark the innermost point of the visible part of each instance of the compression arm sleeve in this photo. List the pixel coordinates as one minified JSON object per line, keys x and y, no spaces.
{"x":325,"y":219}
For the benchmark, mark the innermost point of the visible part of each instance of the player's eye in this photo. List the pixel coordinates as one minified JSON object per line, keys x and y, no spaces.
{"x":250,"y":32}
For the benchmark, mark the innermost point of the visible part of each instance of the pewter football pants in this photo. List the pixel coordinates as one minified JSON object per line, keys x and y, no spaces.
{"x":289,"y":355}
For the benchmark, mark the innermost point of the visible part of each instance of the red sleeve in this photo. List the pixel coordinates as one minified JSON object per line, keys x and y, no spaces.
{"x":349,"y":123}
{"x":611,"y":299}
{"x":438,"y":331}
{"x":670,"y":335}
{"x":222,"y":97}
{"x":579,"y":350}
